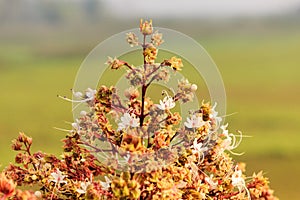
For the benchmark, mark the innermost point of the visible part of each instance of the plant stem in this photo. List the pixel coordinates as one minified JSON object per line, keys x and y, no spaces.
{"x":28,"y":152}
{"x":142,"y":117}
{"x":144,"y":87}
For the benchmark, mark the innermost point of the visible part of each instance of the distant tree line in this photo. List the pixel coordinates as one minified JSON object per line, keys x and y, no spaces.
{"x":50,"y":12}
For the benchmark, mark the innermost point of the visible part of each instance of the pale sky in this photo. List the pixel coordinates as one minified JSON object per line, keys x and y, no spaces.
{"x":188,"y":8}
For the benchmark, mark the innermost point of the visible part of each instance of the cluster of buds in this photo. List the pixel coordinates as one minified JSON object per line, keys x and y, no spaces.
{"x":132,"y":39}
{"x":150,"y":54}
{"x":114,"y":63}
{"x":23,"y":142}
{"x":156,"y":38}
{"x":185,"y":91}
{"x":146,"y":27}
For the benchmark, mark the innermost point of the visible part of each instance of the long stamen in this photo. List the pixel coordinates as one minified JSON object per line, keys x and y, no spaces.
{"x":62,"y":129}
{"x":74,"y":101}
{"x":241,"y":138}
{"x":236,"y":154}
{"x":248,"y":193}
{"x":234,"y":113}
{"x":234,"y":145}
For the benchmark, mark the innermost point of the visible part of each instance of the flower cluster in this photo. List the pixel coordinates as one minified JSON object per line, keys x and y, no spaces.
{"x":137,"y":148}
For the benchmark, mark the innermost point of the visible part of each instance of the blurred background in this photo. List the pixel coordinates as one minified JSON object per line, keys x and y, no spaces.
{"x":255,"y":44}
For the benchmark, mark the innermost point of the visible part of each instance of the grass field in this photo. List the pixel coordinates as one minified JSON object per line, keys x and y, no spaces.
{"x":261,"y":76}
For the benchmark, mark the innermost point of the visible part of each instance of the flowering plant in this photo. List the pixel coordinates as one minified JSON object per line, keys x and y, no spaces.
{"x":134,"y":148}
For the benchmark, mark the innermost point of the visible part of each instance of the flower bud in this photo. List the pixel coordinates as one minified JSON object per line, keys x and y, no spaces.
{"x":194,"y":87}
{"x":146,"y":27}
{"x":16,"y":146}
{"x":34,"y":177}
{"x":21,"y":137}
{"x":29,"y":140}
{"x":19,"y":158}
{"x":156,"y":39}
{"x":132,"y":39}
{"x":114,"y":63}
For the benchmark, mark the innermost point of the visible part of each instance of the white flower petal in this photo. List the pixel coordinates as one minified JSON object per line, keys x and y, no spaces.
{"x":90,"y":93}
{"x":128,"y":120}
{"x":77,"y":94}
{"x":105,"y":185}
{"x":58,"y":177}
{"x":194,"y":122}
{"x":166,"y":104}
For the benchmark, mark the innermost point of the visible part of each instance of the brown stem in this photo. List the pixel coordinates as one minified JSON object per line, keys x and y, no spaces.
{"x":142,"y":116}
{"x":129,"y":66}
{"x":144,"y":87}
{"x":28,"y":151}
{"x":152,"y":79}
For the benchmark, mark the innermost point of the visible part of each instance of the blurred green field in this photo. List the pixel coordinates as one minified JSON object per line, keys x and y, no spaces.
{"x":260,"y":73}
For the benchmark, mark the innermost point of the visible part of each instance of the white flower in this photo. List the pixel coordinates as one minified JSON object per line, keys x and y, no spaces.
{"x":213,"y":184}
{"x":89,"y":96}
{"x":77,"y":94}
{"x":198,"y":149}
{"x":238,"y":181}
{"x":105,"y":185}
{"x":90,"y":93}
{"x":194,"y":122}
{"x":214,"y":115}
{"x":224,"y":130}
{"x":75,"y":125}
{"x":83,"y":187}
{"x":167,"y":103}
{"x":229,"y":142}
{"x":128,"y":120}
{"x":58,"y":177}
